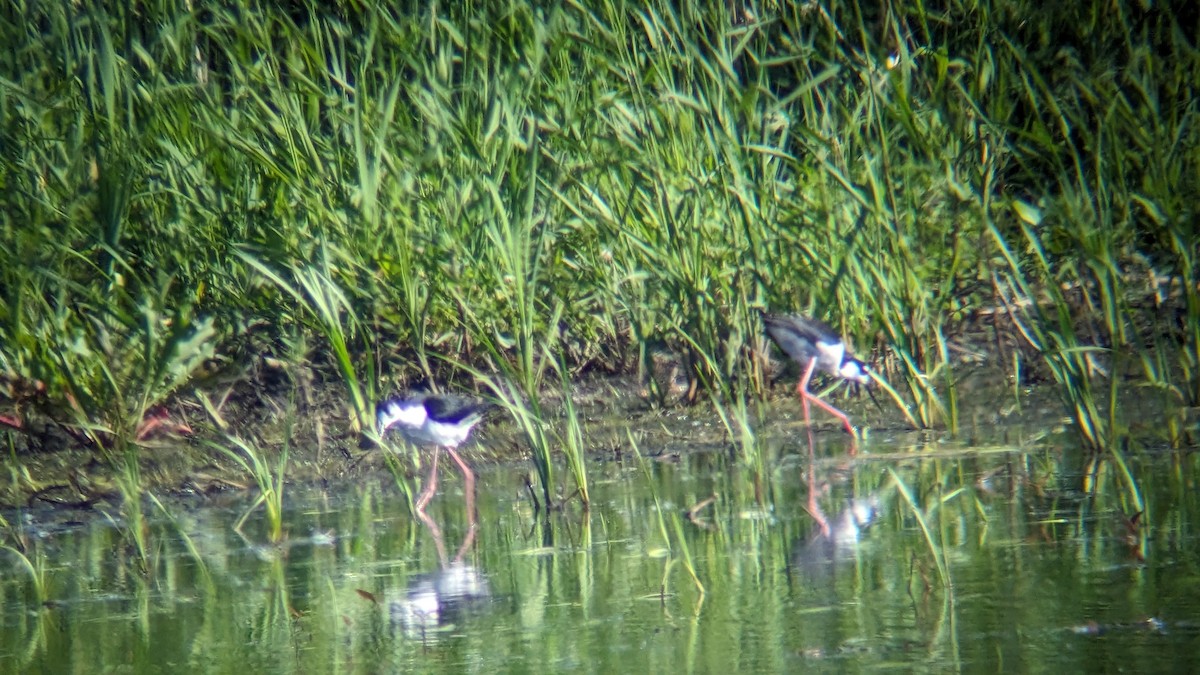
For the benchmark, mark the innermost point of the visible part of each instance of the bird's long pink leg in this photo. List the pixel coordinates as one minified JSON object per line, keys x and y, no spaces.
{"x":835,"y":412}
{"x":807,"y":396}
{"x":466,"y":545}
{"x":802,"y":390}
{"x":814,"y":507}
{"x":438,"y":542}
{"x":430,"y":484}
{"x":469,"y":479}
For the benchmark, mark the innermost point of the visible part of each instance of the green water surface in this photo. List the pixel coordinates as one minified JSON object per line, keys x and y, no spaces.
{"x":1004,"y":559}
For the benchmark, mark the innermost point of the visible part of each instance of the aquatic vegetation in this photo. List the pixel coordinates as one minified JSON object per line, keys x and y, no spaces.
{"x":674,"y":537}
{"x":545,"y":430}
{"x":128,"y":476}
{"x":36,"y":569}
{"x":400,"y":476}
{"x":355,"y":582}
{"x":268,"y":474}
{"x":931,"y":537}
{"x":572,"y":439}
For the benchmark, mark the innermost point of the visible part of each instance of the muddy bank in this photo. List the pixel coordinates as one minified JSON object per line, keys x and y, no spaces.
{"x":48,"y":469}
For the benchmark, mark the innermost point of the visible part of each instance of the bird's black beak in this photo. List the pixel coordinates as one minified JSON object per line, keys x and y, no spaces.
{"x":867,"y":386}
{"x":874,"y":400}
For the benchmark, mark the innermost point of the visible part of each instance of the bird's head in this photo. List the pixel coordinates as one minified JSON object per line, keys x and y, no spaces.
{"x":855,"y":371}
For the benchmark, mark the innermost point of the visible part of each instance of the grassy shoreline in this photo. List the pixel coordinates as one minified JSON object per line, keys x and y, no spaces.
{"x":505,"y":197}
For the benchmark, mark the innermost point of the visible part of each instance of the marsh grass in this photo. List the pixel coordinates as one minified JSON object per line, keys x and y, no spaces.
{"x":1097,"y":220}
{"x":328,"y":306}
{"x":268,"y":475}
{"x":673,"y":537}
{"x":36,"y":568}
{"x":522,"y":189}
{"x":128,"y":477}
{"x":526,"y":410}
{"x":185,"y":538}
{"x":572,"y":439}
{"x":399,"y":475}
{"x":929,"y":534}
{"x":544,"y":430}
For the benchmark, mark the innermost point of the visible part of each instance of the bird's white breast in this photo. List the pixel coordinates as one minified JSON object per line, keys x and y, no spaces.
{"x":408,"y":414}
{"x":830,"y":356}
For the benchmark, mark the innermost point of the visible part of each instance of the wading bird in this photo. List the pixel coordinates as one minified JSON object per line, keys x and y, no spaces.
{"x":814,"y":345}
{"x":442,"y":421}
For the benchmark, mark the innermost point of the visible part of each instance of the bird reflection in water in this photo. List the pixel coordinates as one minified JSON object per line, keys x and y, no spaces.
{"x":433,"y":603}
{"x":834,"y":540}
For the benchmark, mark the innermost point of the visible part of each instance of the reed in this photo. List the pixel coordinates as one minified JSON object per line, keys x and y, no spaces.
{"x":328,"y":306}
{"x":572,"y":440}
{"x":673,"y":537}
{"x":399,"y":475}
{"x":268,"y":475}
{"x":929,"y":535}
{"x":536,"y":185}
{"x":188,"y":542}
{"x":36,"y":568}
{"x":526,"y":410}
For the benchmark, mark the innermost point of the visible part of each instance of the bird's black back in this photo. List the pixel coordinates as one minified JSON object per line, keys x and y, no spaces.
{"x":455,"y":409}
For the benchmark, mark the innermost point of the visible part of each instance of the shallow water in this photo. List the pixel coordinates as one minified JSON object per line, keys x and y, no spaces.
{"x":1043,"y":571}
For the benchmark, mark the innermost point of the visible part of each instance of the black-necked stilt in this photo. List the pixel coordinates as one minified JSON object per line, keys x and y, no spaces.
{"x":438,"y":599}
{"x":813,"y":344}
{"x":835,"y":540}
{"x":438,"y":420}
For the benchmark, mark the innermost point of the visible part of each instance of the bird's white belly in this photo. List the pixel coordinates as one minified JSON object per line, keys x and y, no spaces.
{"x":436,"y":433}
